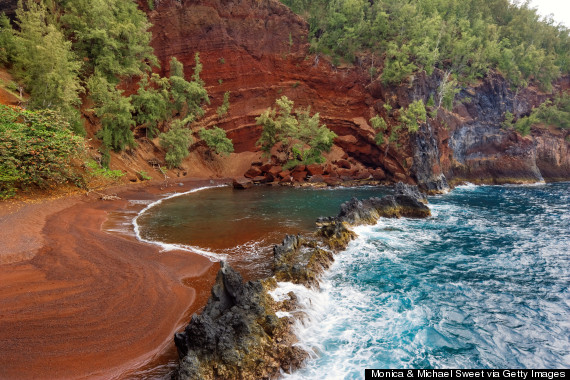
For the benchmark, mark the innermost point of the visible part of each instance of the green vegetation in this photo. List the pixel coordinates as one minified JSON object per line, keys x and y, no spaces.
{"x":59,"y":50}
{"x":176,"y":142}
{"x":217,"y":140}
{"x":97,"y":170}
{"x":43,"y":61}
{"x":115,"y":112}
{"x":144,"y":175}
{"x":111,"y":36}
{"x":187,"y":97}
{"x":225,"y":106}
{"x":462,"y":37}
{"x":555,"y":113}
{"x":36,"y":149}
{"x":413,"y":115}
{"x":151,"y":103}
{"x":300,"y":136}
{"x":379,"y":124}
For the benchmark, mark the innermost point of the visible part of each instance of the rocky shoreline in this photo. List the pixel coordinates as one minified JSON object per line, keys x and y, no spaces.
{"x":238,"y":334}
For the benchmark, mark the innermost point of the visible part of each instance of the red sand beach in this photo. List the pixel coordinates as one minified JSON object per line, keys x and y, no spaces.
{"x":79,"y":302}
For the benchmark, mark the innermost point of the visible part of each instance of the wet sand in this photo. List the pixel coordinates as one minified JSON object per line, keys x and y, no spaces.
{"x":79,"y":302}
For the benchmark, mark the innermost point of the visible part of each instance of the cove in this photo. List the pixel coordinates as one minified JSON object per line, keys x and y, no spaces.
{"x":242,"y":226}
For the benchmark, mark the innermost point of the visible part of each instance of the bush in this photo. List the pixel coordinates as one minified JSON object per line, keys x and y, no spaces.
{"x":300,"y":135}
{"x":225,"y":106}
{"x":379,"y":124}
{"x":413,"y":115}
{"x":36,"y":148}
{"x":217,"y":140}
{"x":176,"y":142}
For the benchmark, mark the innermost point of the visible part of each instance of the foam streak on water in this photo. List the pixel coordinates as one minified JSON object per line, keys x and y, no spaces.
{"x":483,"y":283}
{"x":169,"y":246}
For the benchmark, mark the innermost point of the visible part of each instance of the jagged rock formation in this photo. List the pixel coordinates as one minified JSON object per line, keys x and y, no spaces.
{"x":238,"y":335}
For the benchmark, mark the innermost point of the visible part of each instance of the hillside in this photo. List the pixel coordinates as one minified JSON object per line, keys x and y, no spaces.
{"x":261,"y":51}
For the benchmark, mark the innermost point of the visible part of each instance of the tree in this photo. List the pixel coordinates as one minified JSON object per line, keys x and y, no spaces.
{"x":112,"y":36}
{"x":7,"y":43}
{"x":187,"y":97}
{"x":44,"y":62}
{"x":217,"y":140}
{"x":115,"y":112}
{"x":176,"y":142}
{"x":151,"y":103}
{"x":301,"y":135}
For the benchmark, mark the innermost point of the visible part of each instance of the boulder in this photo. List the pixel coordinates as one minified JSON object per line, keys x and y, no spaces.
{"x":275,"y":170}
{"x":254,"y":171}
{"x":299,"y":168}
{"x":332,"y":181}
{"x":261,"y":179}
{"x":343,"y":164}
{"x":315,"y":169}
{"x":362,"y":174}
{"x":285,"y":174}
{"x":377,"y":174}
{"x":299,"y":176}
{"x":242,"y":183}
{"x":317,"y":179}
{"x":265,"y":168}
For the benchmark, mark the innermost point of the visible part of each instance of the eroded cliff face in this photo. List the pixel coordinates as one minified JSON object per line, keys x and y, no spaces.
{"x":258,"y":50}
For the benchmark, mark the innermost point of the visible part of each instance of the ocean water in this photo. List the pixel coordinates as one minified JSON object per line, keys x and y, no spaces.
{"x":483,"y":283}
{"x":240,"y":226}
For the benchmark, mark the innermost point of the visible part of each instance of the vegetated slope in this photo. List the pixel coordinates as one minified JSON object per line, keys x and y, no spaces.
{"x":260,"y":51}
{"x":436,"y":120}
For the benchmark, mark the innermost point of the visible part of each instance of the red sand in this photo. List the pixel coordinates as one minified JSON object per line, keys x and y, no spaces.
{"x":77,"y":302}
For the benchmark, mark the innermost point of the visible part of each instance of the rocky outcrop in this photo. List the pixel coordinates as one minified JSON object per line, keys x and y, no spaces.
{"x":238,"y":335}
{"x":302,"y":260}
{"x":470,"y":144}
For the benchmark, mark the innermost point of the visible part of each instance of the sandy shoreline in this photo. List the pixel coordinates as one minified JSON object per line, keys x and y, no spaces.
{"x":78,"y":302}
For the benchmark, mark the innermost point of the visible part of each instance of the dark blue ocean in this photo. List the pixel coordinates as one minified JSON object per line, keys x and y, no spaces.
{"x":483,"y":283}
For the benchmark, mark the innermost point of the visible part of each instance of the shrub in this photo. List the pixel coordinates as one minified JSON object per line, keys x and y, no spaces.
{"x":379,"y":124}
{"x":36,"y":148}
{"x":413,"y":115}
{"x":300,"y":135}
{"x":176,"y":142}
{"x":217,"y":140}
{"x":225,"y":106}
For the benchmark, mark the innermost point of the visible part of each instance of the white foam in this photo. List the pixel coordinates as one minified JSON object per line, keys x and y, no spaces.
{"x":171,"y":247}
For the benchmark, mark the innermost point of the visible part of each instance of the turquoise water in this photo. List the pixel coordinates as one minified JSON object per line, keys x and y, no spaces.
{"x":484,"y":283}
{"x":242,"y":226}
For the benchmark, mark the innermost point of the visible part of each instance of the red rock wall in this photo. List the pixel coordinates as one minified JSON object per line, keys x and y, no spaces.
{"x":258,"y":51}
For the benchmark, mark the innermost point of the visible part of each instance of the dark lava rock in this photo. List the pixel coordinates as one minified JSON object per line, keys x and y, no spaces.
{"x":409,"y":190}
{"x":235,"y":336}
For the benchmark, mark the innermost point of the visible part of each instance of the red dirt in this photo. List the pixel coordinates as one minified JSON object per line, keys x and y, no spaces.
{"x":89,"y":303}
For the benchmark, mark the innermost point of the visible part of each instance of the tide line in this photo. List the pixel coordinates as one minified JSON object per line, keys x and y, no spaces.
{"x":214,"y":257}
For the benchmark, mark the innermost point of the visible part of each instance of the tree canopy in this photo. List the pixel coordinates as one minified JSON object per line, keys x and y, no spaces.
{"x":464,"y":37}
